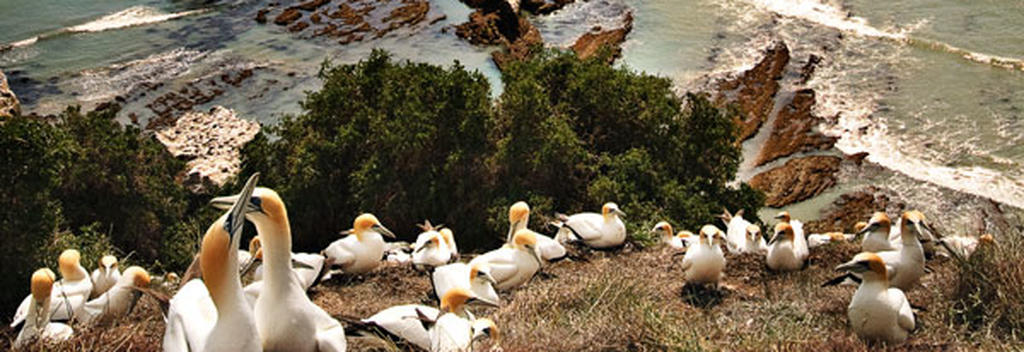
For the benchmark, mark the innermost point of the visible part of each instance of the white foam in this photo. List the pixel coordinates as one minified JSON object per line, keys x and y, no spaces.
{"x":106,"y":83}
{"x":130,"y":17}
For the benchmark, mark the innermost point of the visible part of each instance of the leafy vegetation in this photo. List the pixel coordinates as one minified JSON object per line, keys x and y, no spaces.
{"x":412,"y":141}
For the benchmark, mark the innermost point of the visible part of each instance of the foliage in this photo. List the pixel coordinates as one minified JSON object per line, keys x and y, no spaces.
{"x":412,"y":141}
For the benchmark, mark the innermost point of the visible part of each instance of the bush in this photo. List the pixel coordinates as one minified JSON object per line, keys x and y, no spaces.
{"x":989,"y":294}
{"x":413,"y":141}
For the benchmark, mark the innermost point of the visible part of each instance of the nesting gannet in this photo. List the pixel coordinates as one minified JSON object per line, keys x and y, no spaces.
{"x":118,"y":301}
{"x":876,"y":234}
{"x":38,"y":325}
{"x":285,"y":317}
{"x":452,"y":331}
{"x":230,"y":324}
{"x":476,"y":278}
{"x":105,"y":276}
{"x":742,"y":236}
{"x":704,"y":262}
{"x":548,"y":248}
{"x":604,"y":230}
{"x":431,"y":249}
{"x":515,"y":264}
{"x":783,"y":255}
{"x":486,"y":328}
{"x":69,"y":294}
{"x":965,"y":246}
{"x":363,"y":247}
{"x":925,"y":232}
{"x":906,"y":264}
{"x":667,"y":237}
{"x":403,"y":323}
{"x":821,"y":239}
{"x":800,"y":239}
{"x":877,"y":312}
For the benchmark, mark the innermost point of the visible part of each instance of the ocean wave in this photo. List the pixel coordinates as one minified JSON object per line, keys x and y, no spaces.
{"x":106,"y":83}
{"x":130,"y":17}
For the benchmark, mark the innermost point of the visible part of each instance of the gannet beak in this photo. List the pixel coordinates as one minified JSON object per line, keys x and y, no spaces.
{"x":251,"y":205}
{"x":481,"y":301}
{"x":620,"y":213}
{"x":775,"y":238}
{"x":236,"y":215}
{"x":780,"y":216}
{"x":851,"y":266}
{"x":868,"y":228}
{"x":383,"y":230}
{"x":248,"y":266}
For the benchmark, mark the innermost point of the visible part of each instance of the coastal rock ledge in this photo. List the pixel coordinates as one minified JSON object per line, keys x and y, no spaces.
{"x":211,"y":142}
{"x":9,"y":105}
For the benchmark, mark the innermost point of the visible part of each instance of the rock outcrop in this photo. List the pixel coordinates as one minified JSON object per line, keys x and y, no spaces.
{"x":9,"y":105}
{"x":754,"y":90}
{"x":348,"y":20}
{"x":795,"y":130}
{"x":851,"y":208}
{"x":592,"y":42}
{"x":797,"y":179}
{"x":211,"y":142}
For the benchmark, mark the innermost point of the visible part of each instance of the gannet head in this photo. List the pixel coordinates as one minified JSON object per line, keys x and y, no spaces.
{"x":525,"y":239}
{"x":518,"y":213}
{"x":610,"y":210}
{"x":262,"y":206}
{"x":433,"y":242}
{"x":987,"y":239}
{"x":481,"y":271}
{"x":868,"y":264}
{"x":859,"y":226}
{"x":783,"y":232}
{"x":753,"y":232}
{"x":836,"y":236}
{"x":484,"y":327}
{"x":367,"y":222}
{"x":878,"y":221}
{"x":108,"y":262}
{"x":914,"y":220}
{"x":783,"y":216}
{"x":664,"y":228}
{"x":136,"y":276}
{"x":42,"y":287}
{"x":684,"y":234}
{"x":70,"y":265}
{"x":457,"y":298}
{"x":707,"y":234}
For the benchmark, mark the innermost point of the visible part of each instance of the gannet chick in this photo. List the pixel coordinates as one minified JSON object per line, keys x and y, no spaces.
{"x":782,"y":252}
{"x":514,"y":265}
{"x":876,"y":234}
{"x":476,"y":278}
{"x":604,"y":230}
{"x":704,"y":262}
{"x":363,"y":247}
{"x":285,"y":317}
{"x":877,"y":312}
{"x":119,"y":300}
{"x":69,"y":294}
{"x":548,"y":248}
{"x":105,"y":276}
{"x":38,"y":325}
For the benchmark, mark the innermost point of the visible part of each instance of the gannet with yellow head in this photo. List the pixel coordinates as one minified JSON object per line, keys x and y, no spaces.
{"x":476,"y":278}
{"x":664,"y":230}
{"x":431,"y":248}
{"x":362,"y":248}
{"x":799,"y":237}
{"x":905,"y":264}
{"x":69,"y":294}
{"x":704,"y":262}
{"x":782,"y":254}
{"x":876,"y":234}
{"x":37,"y":325}
{"x":285,"y":317}
{"x":119,"y":300}
{"x":105,"y":276}
{"x":604,"y":230}
{"x":742,"y":236}
{"x":403,"y":323}
{"x":877,"y":312}
{"x":514,"y":265}
{"x":453,"y":331}
{"x":548,"y":248}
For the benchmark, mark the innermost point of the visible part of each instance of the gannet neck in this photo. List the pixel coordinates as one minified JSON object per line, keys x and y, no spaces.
{"x":276,"y":239}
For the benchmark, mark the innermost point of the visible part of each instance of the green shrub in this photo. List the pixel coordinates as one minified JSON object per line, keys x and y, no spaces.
{"x":413,"y":141}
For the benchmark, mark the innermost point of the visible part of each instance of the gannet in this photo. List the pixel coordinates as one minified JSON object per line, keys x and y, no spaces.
{"x":925,"y":233}
{"x":512,"y":265}
{"x":906,"y":264}
{"x":965,"y":246}
{"x":704,"y":262}
{"x":742,"y":236}
{"x":285,"y":317}
{"x":118,"y":301}
{"x":821,"y":239}
{"x":69,"y":294}
{"x":452,"y":331}
{"x":877,"y":312}
{"x":667,"y":237}
{"x":799,"y":238}
{"x":476,"y":278}
{"x":604,"y":230}
{"x":38,"y":325}
{"x":362,"y":249}
{"x":307,"y":268}
{"x":230,"y":324}
{"x":483,"y":327}
{"x":403,"y":323}
{"x":105,"y":276}
{"x":431,"y":249}
{"x":782,"y":252}
{"x":397,"y":252}
{"x":876,"y":234}
{"x":449,"y":239}
{"x":548,"y":248}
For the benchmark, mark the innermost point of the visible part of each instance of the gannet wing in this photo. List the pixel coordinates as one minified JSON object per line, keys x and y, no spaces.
{"x":340,"y":255}
{"x":446,"y":277}
{"x":905,"y":317}
{"x":330,"y":335}
{"x":21,"y":312}
{"x":190,"y":318}
{"x":502,"y":271}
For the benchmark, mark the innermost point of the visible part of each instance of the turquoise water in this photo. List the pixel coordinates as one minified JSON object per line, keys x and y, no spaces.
{"x":933,"y":89}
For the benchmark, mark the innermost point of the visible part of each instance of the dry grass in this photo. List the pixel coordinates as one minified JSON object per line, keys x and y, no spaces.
{"x":636,"y":300}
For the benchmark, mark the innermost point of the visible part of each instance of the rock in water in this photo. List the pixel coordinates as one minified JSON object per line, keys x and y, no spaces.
{"x":795,"y":130}
{"x":9,"y":105}
{"x":797,"y":180}
{"x":754,"y":90}
{"x":212,"y":141}
{"x":591,"y":43}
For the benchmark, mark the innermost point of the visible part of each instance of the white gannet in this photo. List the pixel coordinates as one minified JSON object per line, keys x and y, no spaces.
{"x":38,"y":325}
{"x":906,"y":264}
{"x":965,"y":246}
{"x":799,"y":238}
{"x":476,"y":278}
{"x":782,"y":252}
{"x":230,"y":324}
{"x":362,"y":249}
{"x":548,"y":248}
{"x":285,"y":317}
{"x":452,"y":331}
{"x":876,"y":234}
{"x":704,"y":262}
{"x":925,"y":232}
{"x":742,"y":236}
{"x":105,"y":276}
{"x":604,"y":230}
{"x":403,"y":323}
{"x":680,"y":240}
{"x":69,"y":294}
{"x":431,"y":249}
{"x":877,"y":312}
{"x":512,"y":265}
{"x":118,"y":301}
